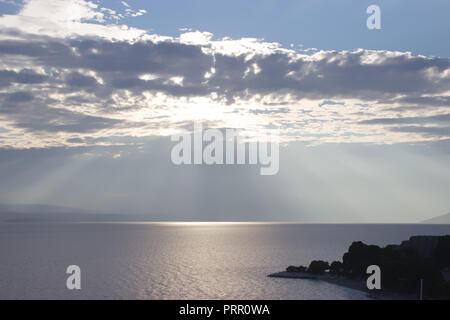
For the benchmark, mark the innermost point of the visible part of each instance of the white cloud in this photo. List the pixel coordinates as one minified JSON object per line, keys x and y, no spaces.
{"x":196,"y":38}
{"x":69,"y":18}
{"x":59,"y":89}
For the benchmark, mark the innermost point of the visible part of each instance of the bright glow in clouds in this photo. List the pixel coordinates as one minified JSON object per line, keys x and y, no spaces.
{"x":70,"y":75}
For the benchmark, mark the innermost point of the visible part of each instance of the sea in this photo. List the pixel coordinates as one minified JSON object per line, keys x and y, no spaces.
{"x":181,"y":260}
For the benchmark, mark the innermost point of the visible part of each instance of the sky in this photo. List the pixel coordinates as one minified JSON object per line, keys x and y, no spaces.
{"x":90,"y":93}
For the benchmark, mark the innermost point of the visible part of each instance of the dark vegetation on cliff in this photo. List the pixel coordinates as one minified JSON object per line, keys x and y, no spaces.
{"x":402,"y":266}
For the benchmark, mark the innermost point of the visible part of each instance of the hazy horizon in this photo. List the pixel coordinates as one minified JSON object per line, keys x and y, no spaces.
{"x":92,"y":93}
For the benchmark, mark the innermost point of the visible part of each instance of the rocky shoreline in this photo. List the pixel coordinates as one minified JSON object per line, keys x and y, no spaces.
{"x":418,"y":266}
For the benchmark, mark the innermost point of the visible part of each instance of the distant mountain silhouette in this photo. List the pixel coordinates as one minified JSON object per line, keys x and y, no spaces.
{"x":445,"y":219}
{"x":40,"y":208}
{"x":48,"y":213}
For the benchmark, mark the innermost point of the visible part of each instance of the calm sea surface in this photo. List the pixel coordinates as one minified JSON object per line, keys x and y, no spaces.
{"x":180,"y":261}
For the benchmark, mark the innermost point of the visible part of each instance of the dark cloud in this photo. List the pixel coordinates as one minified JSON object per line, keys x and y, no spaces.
{"x":409,"y":120}
{"x":19,"y":97}
{"x":169,"y":59}
{"x":333,"y":75}
{"x":36,"y":114}
{"x":76,"y":79}
{"x":25,"y":76}
{"x":43,"y":51}
{"x":75,"y":140}
{"x":64,"y":121}
{"x":442,"y":101}
{"x":427,"y":131}
{"x":164,"y":58}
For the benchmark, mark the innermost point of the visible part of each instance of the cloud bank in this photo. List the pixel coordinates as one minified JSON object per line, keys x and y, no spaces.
{"x":81,"y":78}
